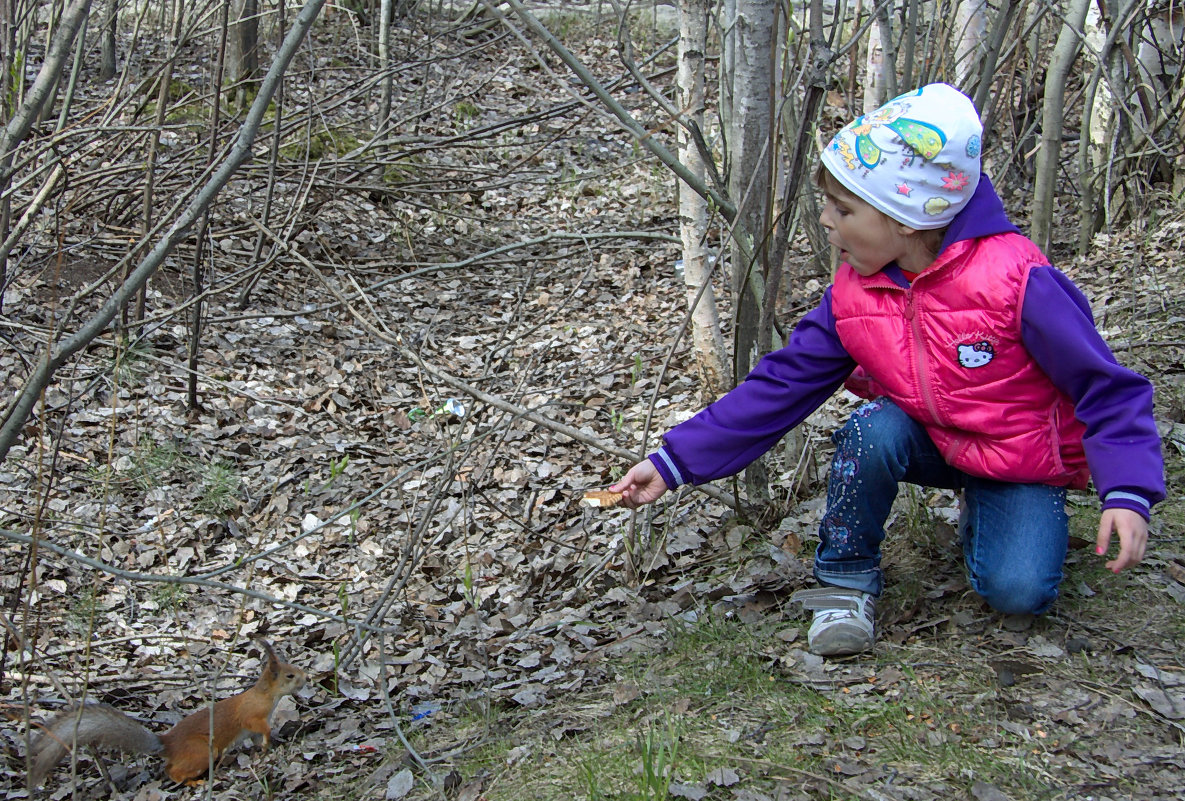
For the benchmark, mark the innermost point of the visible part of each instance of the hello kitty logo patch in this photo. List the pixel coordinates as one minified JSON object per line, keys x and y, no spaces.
{"x":976,"y":354}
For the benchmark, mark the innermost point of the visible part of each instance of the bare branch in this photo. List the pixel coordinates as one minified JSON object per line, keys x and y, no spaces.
{"x":52,"y":359}
{"x":644,"y":137}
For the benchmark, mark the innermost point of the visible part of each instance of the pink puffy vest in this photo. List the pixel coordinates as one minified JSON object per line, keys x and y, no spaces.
{"x":948,"y":351}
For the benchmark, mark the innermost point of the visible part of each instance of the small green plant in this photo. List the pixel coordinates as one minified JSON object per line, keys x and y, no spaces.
{"x":81,"y":614}
{"x":636,"y":370}
{"x":168,"y":596}
{"x":131,"y":363}
{"x":16,"y":78}
{"x":468,"y":586}
{"x":337,"y":468}
{"x":220,"y":487}
{"x":179,"y":90}
{"x":659,"y":749}
{"x":337,"y":661}
{"x":617,"y":419}
{"x":562,"y":25}
{"x":465,"y":110}
{"x":265,"y":786}
{"x":917,"y":517}
{"x":451,"y":409}
{"x":101,"y":480}
{"x":590,"y":775}
{"x":154,"y":461}
{"x":405,"y":170}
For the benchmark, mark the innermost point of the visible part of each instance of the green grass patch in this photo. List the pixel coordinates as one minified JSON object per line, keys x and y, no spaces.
{"x":155,"y":462}
{"x":717,"y":709}
{"x":319,"y":145}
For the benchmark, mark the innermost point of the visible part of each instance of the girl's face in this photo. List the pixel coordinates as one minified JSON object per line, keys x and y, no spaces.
{"x":866,"y":238}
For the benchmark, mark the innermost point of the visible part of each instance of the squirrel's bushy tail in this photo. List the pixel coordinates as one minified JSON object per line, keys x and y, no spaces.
{"x":97,"y":724}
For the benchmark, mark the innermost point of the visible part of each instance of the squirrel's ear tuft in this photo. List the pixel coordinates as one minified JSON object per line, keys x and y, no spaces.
{"x":273,"y":662}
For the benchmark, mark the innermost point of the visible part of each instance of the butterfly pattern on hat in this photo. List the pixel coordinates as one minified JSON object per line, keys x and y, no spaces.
{"x":925,"y":139}
{"x":915,"y":159}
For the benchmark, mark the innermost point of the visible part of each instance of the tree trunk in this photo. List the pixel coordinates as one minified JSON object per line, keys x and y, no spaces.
{"x":273,"y":160}
{"x":8,"y":27}
{"x":243,"y":51}
{"x":148,"y":200}
{"x":970,"y":39}
{"x":1159,"y":50}
{"x":107,"y":35}
{"x":749,"y":185}
{"x":1111,"y":127}
{"x":707,"y":339}
{"x":1065,"y":51}
{"x":1159,"y":55}
{"x":1098,"y":127}
{"x":75,"y":71}
{"x":386,"y":86}
{"x":198,"y":274}
{"x":880,"y":82}
{"x":979,"y":87}
{"x":749,"y":160}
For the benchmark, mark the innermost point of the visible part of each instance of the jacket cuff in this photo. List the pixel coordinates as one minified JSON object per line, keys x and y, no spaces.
{"x":1118,"y":499}
{"x":667,"y":468}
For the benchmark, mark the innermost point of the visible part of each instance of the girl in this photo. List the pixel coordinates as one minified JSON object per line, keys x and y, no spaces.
{"x":982,"y":366}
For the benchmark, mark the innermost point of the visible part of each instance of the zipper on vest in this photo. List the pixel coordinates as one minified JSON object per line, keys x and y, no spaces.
{"x":921,"y":362}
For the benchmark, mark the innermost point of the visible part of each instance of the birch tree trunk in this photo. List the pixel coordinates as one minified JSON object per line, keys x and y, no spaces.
{"x":1159,"y":55}
{"x":710,"y":352}
{"x":1159,"y":51}
{"x":1098,"y":126}
{"x":880,"y":78}
{"x":979,"y":87}
{"x":970,"y":38}
{"x":1065,"y":51}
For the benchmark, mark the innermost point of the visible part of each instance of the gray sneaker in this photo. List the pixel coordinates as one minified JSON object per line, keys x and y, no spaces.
{"x":844,"y":621}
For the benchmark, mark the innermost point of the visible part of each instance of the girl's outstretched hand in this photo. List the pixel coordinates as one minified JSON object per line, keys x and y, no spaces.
{"x":1133,"y":537}
{"x":640,"y":486}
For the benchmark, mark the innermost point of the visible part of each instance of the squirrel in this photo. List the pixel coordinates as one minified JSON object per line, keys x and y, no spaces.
{"x":187,"y":746}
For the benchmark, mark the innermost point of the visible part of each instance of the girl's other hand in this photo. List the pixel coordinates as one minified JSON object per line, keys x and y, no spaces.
{"x":640,"y":486}
{"x":1133,"y":537}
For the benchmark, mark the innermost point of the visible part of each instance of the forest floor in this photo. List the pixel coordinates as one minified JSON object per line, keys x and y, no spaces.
{"x":473,"y":631}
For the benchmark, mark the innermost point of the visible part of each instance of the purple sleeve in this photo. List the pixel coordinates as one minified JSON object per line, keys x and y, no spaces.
{"x":1113,"y":402}
{"x":781,"y":391}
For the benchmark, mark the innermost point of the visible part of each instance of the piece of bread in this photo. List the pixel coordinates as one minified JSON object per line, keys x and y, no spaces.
{"x":603,"y":499}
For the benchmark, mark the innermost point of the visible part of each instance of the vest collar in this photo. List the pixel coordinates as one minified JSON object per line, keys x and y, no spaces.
{"x":891,"y":277}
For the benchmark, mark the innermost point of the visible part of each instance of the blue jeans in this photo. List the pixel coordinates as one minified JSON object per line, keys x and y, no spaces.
{"x":1014,"y":535}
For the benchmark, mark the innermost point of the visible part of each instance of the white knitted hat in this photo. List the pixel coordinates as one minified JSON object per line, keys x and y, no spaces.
{"x":916,"y":158}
